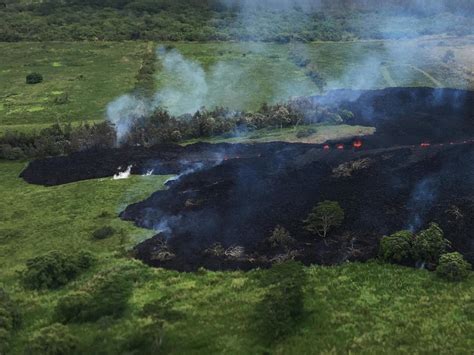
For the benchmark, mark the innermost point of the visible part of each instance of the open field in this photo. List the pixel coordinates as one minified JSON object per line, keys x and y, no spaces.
{"x":264,"y":73}
{"x":240,"y":76}
{"x":322,"y":133}
{"x":350,"y":308}
{"x":90,"y":74}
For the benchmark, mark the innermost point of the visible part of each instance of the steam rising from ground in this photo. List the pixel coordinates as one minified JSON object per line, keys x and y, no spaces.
{"x":189,"y":86}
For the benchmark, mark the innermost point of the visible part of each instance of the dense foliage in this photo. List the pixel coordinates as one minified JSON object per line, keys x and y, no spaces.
{"x":453,"y":267}
{"x":324,"y":217}
{"x":106,"y":295}
{"x":10,"y":320}
{"x":56,"y":140}
{"x":430,"y":244}
{"x":214,"y":20}
{"x":398,"y":247}
{"x":55,"y":269}
{"x":34,"y":78}
{"x":103,"y":232}
{"x":162,"y":127}
{"x":55,"y":339}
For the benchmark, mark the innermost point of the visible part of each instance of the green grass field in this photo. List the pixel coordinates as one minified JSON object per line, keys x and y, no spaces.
{"x":91,"y":74}
{"x":240,"y":76}
{"x":322,"y":134}
{"x":352,"y":308}
{"x":258,"y":73}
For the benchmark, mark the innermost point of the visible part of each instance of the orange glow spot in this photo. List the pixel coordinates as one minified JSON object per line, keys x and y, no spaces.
{"x":357,"y":144}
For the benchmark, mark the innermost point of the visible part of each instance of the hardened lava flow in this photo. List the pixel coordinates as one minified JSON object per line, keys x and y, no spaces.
{"x":418,"y":167}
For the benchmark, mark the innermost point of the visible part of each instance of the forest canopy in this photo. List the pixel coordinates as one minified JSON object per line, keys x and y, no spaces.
{"x":204,"y":20}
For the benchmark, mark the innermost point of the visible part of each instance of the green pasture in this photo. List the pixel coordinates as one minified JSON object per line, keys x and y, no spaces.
{"x":91,"y":74}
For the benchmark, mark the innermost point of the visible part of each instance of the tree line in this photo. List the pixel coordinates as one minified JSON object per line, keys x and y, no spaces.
{"x":165,"y":20}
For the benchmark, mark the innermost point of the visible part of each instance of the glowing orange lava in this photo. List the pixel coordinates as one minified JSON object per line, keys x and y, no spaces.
{"x":357,"y":144}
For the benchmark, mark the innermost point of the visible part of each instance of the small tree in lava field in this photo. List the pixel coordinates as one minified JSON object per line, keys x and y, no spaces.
{"x":325,"y":216}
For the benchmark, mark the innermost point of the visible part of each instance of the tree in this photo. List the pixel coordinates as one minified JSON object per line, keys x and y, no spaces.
{"x":398,"y":247}
{"x":430,"y":244}
{"x":453,"y":267}
{"x":34,"y":78}
{"x":281,"y":238}
{"x":325,"y":216}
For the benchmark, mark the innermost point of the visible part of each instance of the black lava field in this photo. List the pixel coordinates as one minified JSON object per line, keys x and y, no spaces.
{"x":218,"y":213}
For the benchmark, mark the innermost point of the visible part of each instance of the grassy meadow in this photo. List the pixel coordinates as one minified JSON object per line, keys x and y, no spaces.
{"x":238,"y":75}
{"x":349,"y":308}
{"x":91,"y":74}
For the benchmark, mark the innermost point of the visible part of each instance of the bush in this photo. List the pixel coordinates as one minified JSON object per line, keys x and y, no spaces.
{"x":103,"y":232}
{"x":10,"y":320}
{"x":55,"y":269}
{"x":11,"y":153}
{"x":62,"y":99}
{"x":73,"y":307}
{"x":278,"y":313}
{"x":398,"y":247}
{"x":107,"y":295}
{"x":55,"y":339}
{"x":306,"y":133}
{"x":34,"y":78}
{"x":430,"y":244}
{"x":281,"y":238}
{"x":453,"y":267}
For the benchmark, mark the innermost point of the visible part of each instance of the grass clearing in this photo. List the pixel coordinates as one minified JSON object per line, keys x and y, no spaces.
{"x":350,"y":308}
{"x":91,"y":73}
{"x":238,"y":75}
{"x":322,"y":134}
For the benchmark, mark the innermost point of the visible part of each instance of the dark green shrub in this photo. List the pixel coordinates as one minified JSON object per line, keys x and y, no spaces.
{"x":11,"y":153}
{"x":143,"y":339}
{"x":398,"y":247}
{"x":162,"y":310}
{"x":55,"y":269}
{"x":73,"y":307}
{"x":55,"y":339}
{"x":281,"y":238}
{"x":453,"y":267}
{"x":279,"y":312}
{"x":62,"y":99}
{"x":429,"y":244}
{"x":306,"y":133}
{"x":106,"y":295}
{"x":10,"y":320}
{"x":103,"y":232}
{"x":34,"y":78}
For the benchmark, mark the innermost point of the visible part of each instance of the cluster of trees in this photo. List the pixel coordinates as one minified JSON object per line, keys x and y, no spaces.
{"x":194,"y":20}
{"x":161,"y":127}
{"x":56,"y":140}
{"x":105,"y":295}
{"x":428,"y":248}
